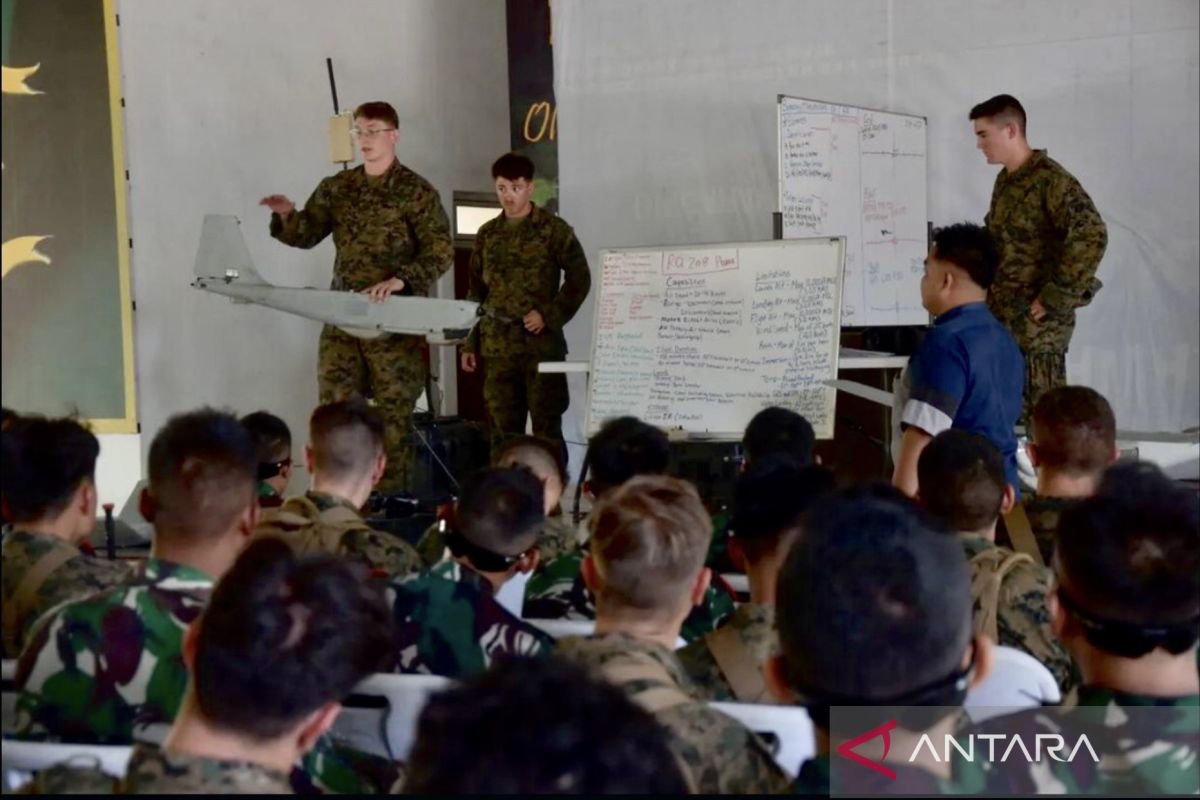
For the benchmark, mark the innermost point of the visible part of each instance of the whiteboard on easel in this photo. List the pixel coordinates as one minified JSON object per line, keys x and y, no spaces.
{"x":859,"y":173}
{"x":701,"y":338}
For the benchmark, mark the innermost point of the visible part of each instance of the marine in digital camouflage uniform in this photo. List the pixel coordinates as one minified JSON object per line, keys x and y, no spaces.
{"x":381,"y":551}
{"x":516,"y":267}
{"x":153,"y":770}
{"x":1051,"y":239}
{"x":27,"y":596}
{"x":1022,"y":621}
{"x":1141,"y":753}
{"x":448,"y":622}
{"x":556,"y":591}
{"x":557,"y":537}
{"x":386,"y":226}
{"x":721,"y":755}
{"x":753,"y":627}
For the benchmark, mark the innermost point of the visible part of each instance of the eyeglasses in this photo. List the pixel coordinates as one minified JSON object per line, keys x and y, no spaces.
{"x":367,"y":134}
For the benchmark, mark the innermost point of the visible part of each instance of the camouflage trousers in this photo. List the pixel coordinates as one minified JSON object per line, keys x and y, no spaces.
{"x":390,"y":371}
{"x":512,"y":388}
{"x":1043,"y":372}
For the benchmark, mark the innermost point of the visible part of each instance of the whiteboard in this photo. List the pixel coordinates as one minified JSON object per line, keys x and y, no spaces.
{"x":699,"y":338}
{"x":859,"y":173}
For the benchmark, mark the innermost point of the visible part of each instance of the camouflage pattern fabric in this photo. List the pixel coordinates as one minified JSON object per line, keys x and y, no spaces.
{"x":381,"y":551}
{"x":332,"y":767}
{"x":556,"y":591}
{"x":153,"y":770}
{"x":77,"y":577}
{"x":1043,"y":513}
{"x":102,"y":668}
{"x":721,"y":755}
{"x":557,"y":537}
{"x":78,"y":775}
{"x":1021,"y":617}
{"x":449,"y":623}
{"x":1139,"y":755}
{"x":268,"y":497}
{"x":1051,"y":240}
{"x":387,"y":226}
{"x":512,"y":389}
{"x":754,"y":624}
{"x":1043,"y":372}
{"x":518,"y":266}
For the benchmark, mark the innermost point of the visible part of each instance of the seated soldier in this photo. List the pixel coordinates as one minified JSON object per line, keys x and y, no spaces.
{"x":622,"y":448}
{"x":771,"y":496}
{"x":646,"y":569}
{"x":963,"y":486}
{"x":1126,"y":603}
{"x":49,"y":495}
{"x":772,"y":431}
{"x":544,"y":459}
{"x":273,"y":441}
{"x":345,"y":459}
{"x":873,"y":610}
{"x":284,"y":638}
{"x":1073,"y":438}
{"x":97,"y":669}
{"x":539,"y":726}
{"x":447,"y":617}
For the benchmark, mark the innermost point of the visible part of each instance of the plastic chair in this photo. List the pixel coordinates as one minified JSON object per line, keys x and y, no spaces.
{"x":1017,"y":681}
{"x":787,"y":729}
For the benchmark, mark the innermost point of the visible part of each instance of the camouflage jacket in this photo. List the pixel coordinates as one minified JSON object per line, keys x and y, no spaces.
{"x":268,"y":497}
{"x":27,"y":596}
{"x":1146,"y":746}
{"x":331,"y":519}
{"x":515,"y":268}
{"x":153,"y":770}
{"x":556,"y":538}
{"x":448,"y":622}
{"x":556,"y":591}
{"x":1022,"y":621}
{"x":390,"y":226}
{"x":101,"y":668}
{"x":720,"y":755}
{"x":1051,"y":240}
{"x":752,"y":641}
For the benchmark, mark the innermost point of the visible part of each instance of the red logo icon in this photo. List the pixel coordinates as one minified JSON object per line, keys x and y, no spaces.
{"x":846,"y":749}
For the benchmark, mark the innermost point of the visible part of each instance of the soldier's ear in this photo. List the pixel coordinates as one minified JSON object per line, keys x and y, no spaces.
{"x":315,"y":725}
{"x":700,"y":587}
{"x":147,"y":505}
{"x":308,"y":458}
{"x":87,"y":498}
{"x":591,"y":576}
{"x":191,"y":635}
{"x":1008,"y":500}
{"x":1032,"y":450}
{"x":379,"y":469}
{"x":1116,"y":454}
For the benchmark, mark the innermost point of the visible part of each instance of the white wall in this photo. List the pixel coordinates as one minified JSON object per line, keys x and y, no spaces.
{"x":227,"y":101}
{"x":667,"y":135}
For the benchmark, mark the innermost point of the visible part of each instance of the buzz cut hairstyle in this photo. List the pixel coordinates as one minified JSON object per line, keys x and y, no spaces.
{"x":272,"y":437}
{"x":1002,"y":109}
{"x":779,"y":430}
{"x":346,"y":437}
{"x":622,"y":448}
{"x":961,"y":480}
{"x":501,"y":510}
{"x":202,"y":470}
{"x":535,"y":453}
{"x":649,"y":539}
{"x":512,"y":166}
{"x":1074,"y":429}
{"x":969,"y":247}
{"x":379,"y":111}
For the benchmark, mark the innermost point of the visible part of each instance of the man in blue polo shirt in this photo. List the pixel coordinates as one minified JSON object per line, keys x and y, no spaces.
{"x":969,"y":372}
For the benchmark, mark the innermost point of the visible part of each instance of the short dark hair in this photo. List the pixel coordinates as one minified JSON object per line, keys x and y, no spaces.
{"x":779,"y":430}
{"x":961,"y":480}
{"x":512,"y":166}
{"x":346,"y":436}
{"x":1004,"y":108}
{"x":1130,"y":555}
{"x":1074,"y":429}
{"x":622,"y":448}
{"x":284,"y":634}
{"x":45,"y":461}
{"x":202,"y":469}
{"x":7,"y":417}
{"x":539,"y":726}
{"x":501,"y":510}
{"x":770,"y":498}
{"x":874,"y":599}
{"x":378,"y":110}
{"x":272,"y":438}
{"x":970,"y":248}
{"x":522,"y":447}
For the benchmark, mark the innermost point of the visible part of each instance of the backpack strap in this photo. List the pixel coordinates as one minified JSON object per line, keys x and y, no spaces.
{"x":737,"y":664}
{"x":986,"y":582}
{"x":1020,"y":533}
{"x":25,"y":595}
{"x":662,"y":695}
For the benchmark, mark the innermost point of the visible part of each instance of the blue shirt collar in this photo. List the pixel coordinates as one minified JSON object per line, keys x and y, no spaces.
{"x":958,"y":311}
